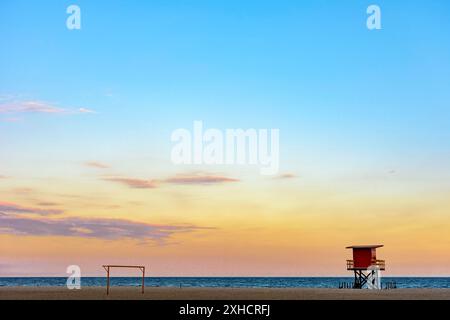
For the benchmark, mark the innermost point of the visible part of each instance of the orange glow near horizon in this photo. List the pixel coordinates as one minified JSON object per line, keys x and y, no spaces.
{"x":242,"y":231}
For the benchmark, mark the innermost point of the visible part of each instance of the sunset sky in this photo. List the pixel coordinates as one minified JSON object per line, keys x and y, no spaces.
{"x":86,"y":118}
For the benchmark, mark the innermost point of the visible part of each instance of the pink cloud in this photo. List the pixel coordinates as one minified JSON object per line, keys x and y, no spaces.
{"x":186,"y":179}
{"x":134,"y":183}
{"x":17,"y":209}
{"x":95,"y":164}
{"x":29,"y":106}
{"x":100,"y":228}
{"x":286,"y":176}
{"x":199,"y":179}
{"x":37,"y":106}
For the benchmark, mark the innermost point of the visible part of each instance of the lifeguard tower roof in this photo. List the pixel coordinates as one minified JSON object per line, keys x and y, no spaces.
{"x":364,"y":256}
{"x":370,"y":246}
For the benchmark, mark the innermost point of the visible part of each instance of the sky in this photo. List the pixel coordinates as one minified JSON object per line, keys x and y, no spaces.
{"x":86,"y":118}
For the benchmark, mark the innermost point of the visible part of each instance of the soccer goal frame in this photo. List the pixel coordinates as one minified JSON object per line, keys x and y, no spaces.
{"x":108,"y":267}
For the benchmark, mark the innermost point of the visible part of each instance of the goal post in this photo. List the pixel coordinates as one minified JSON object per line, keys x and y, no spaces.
{"x":109,"y":266}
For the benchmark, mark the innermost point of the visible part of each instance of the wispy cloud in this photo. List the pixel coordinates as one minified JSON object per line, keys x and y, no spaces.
{"x":199,"y":179}
{"x":110,"y":229}
{"x":134,"y":183}
{"x":84,"y":110}
{"x":286,"y":176}
{"x":48,"y":204}
{"x":29,"y":106}
{"x":37,"y":106}
{"x":182,"y":179}
{"x":95,"y":164}
{"x":17,"y":209}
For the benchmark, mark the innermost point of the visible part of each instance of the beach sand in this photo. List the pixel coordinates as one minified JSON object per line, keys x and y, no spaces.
{"x":166,"y":293}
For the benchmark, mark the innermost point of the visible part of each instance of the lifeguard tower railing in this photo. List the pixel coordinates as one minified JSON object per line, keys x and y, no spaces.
{"x":376,"y":263}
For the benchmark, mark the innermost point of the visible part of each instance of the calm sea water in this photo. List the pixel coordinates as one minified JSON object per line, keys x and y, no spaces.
{"x":247,"y":282}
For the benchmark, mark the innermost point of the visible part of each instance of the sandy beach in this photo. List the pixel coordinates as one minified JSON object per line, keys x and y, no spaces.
{"x":166,"y":293}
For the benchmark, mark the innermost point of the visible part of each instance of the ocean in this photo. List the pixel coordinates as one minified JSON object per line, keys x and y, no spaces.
{"x":237,"y":282}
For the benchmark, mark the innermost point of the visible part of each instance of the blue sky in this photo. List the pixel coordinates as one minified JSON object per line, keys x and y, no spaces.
{"x":310,"y":68}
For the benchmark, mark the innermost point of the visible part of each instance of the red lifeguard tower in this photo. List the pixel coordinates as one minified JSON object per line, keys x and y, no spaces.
{"x":365,"y":265}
